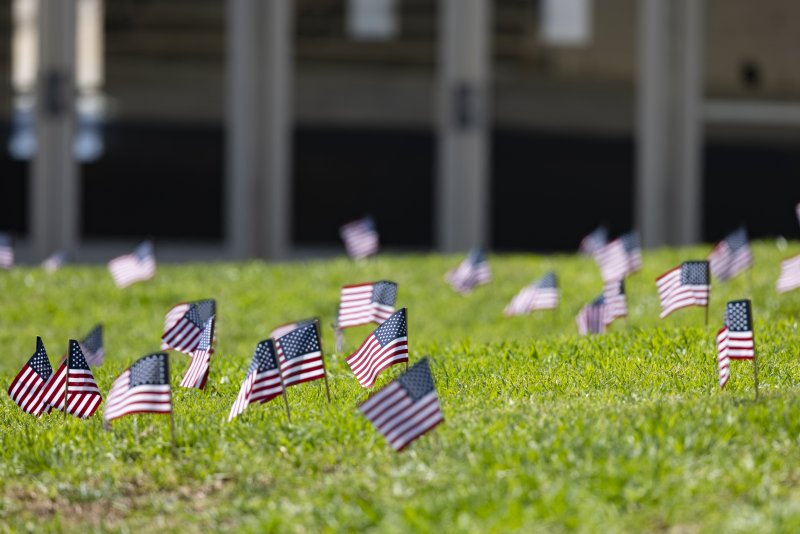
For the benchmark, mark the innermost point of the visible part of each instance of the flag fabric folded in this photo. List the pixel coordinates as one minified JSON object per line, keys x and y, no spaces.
{"x":263,"y":380}
{"x":300,"y":356}
{"x":184,"y":323}
{"x":6,"y":251}
{"x":541,"y":295}
{"x":386,"y":346}
{"x":688,"y":284}
{"x":471,"y":272}
{"x":26,"y":388}
{"x":731,"y":256}
{"x":790,"y":275}
{"x":288,"y":327}
{"x":55,"y":261}
{"x":406,"y":408}
{"x":92,"y":346}
{"x":197,"y":374}
{"x":362,"y":304}
{"x":735,"y":339}
{"x":73,"y":382}
{"x":591,"y":318}
{"x":143,"y":388}
{"x":620,"y":257}
{"x":360,"y":238}
{"x":135,"y":267}
{"x":594,"y":241}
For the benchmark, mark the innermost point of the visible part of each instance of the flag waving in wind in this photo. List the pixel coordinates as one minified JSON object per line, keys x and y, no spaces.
{"x":790,"y":275}
{"x":620,"y":257}
{"x":731,"y":256}
{"x":143,"y":388}
{"x":541,"y":295}
{"x":471,"y":272}
{"x":735,"y":339}
{"x":360,"y":238}
{"x":263,"y":380}
{"x":72,"y":387}
{"x":26,"y":388}
{"x":594,"y":241}
{"x":688,"y":284}
{"x":197,"y":374}
{"x":386,"y":346}
{"x":184,"y":324}
{"x":135,"y":267}
{"x":361,"y":304}
{"x":300,"y":356}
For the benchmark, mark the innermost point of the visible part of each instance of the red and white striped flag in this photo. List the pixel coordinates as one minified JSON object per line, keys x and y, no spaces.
{"x":135,"y":267}
{"x":594,"y":241}
{"x":591,"y":319}
{"x":26,"y":388}
{"x":55,"y":261}
{"x":143,"y":388}
{"x":731,"y":256}
{"x":183,"y":325}
{"x":6,"y":251}
{"x":386,"y":346}
{"x":362,"y":304}
{"x":541,"y":295}
{"x":73,"y":382}
{"x":197,"y":374}
{"x":615,"y":303}
{"x":790,"y":275}
{"x":360,"y":238}
{"x":688,"y":284}
{"x":263,"y":380}
{"x":620,"y":257}
{"x":406,"y":408}
{"x":470,"y":273}
{"x":735,"y":339}
{"x":300,"y":356}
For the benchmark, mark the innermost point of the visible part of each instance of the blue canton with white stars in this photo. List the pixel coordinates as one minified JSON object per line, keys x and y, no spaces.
{"x":384,"y":292}
{"x":151,"y":370}
{"x":193,"y":315}
{"x":738,"y":317}
{"x":477,"y":256}
{"x":76,"y":358}
{"x":40,"y":362}
{"x":207,"y":335}
{"x":299,"y":342}
{"x":144,"y":251}
{"x":264,"y":358}
{"x":548,"y":281}
{"x":694,"y":273}
{"x":392,"y":328}
{"x":206,"y":309}
{"x":630,"y":241}
{"x":94,"y":339}
{"x":417,"y":381}
{"x":737,"y":239}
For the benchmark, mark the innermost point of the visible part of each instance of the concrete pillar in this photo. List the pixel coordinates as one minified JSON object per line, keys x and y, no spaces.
{"x":54,"y":180}
{"x":669,"y":122}
{"x":464,"y":120}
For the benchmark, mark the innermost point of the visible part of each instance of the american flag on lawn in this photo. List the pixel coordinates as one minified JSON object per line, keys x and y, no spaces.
{"x":6,"y":251}
{"x":541,"y":295}
{"x":300,"y":356}
{"x":74,"y":382}
{"x":197,"y":374}
{"x":360,"y":238}
{"x":55,"y":261}
{"x":592,"y":317}
{"x":686,"y":285}
{"x":615,"y":302}
{"x":386,"y":346}
{"x":288,"y":327}
{"x":92,"y":346}
{"x":143,"y":388}
{"x":471,"y":272}
{"x":137,"y":266}
{"x":620,"y":257}
{"x":361,"y":304}
{"x":735,"y":339}
{"x":731,"y":256}
{"x":406,"y":408}
{"x":790,"y":275}
{"x":594,"y":241}
{"x":26,"y":388}
{"x":263,"y":380}
{"x":183,"y":325}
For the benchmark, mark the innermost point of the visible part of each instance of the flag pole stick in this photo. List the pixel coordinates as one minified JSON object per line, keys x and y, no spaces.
{"x":66,"y":388}
{"x":172,"y":439}
{"x":755,"y":370}
{"x":285,"y":398}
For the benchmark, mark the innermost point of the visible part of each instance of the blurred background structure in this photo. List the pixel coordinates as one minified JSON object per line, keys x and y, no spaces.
{"x":250,"y":128}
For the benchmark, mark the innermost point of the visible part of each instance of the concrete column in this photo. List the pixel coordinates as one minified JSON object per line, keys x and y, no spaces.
{"x":54,"y":180}
{"x":669,"y":121}
{"x":463,"y":141}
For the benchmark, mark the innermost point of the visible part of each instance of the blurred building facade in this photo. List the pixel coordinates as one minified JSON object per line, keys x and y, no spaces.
{"x":243,"y":128}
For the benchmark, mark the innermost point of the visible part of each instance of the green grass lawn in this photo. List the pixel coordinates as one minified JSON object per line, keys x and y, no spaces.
{"x":544,"y":431}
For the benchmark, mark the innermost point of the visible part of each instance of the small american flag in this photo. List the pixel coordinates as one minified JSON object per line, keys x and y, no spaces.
{"x":471,"y":272}
{"x":386,"y":346}
{"x":137,"y":266}
{"x":541,"y":295}
{"x":183,"y":325}
{"x":92,"y":346}
{"x":735,"y":339}
{"x":6,"y":251}
{"x":197,"y":374}
{"x":686,"y":285}
{"x":406,"y":408}
{"x":360,"y":238}
{"x":26,"y":388}
{"x":620,"y":257}
{"x":288,"y":327}
{"x":615,"y":302}
{"x":55,"y":261}
{"x":300,"y":356}
{"x":592,"y":317}
{"x":790,"y":275}
{"x":143,"y":388}
{"x":74,"y":381}
{"x":263,"y":380}
{"x":361,"y":304}
{"x":594,"y":241}
{"x":731,"y":256}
